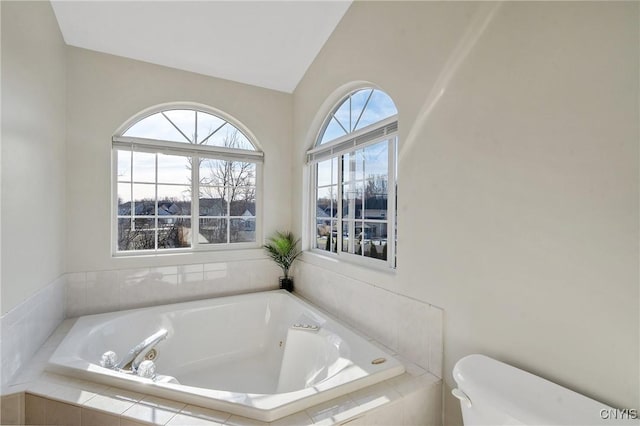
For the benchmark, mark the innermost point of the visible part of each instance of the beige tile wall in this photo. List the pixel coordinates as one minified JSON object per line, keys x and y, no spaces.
{"x":407,"y":326}
{"x":12,"y":409}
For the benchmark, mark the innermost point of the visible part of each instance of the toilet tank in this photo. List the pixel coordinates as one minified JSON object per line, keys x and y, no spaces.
{"x":494,"y":393}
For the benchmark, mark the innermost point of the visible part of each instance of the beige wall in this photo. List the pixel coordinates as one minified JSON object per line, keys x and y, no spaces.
{"x":33,"y":150}
{"x":103,"y":92}
{"x":518,"y":176}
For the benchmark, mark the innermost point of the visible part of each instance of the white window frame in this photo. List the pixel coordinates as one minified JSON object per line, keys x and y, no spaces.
{"x":380,"y":131}
{"x":196,"y":152}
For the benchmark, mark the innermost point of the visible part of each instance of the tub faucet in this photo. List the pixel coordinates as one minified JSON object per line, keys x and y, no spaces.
{"x":136,"y":355}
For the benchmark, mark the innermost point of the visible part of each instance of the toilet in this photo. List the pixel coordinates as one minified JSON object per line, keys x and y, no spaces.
{"x":494,"y":393}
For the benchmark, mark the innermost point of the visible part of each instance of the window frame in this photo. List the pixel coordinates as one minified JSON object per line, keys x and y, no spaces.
{"x":337,"y":148}
{"x":196,"y":152}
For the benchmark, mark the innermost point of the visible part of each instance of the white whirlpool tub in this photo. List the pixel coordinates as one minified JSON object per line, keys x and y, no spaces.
{"x":257,"y":355}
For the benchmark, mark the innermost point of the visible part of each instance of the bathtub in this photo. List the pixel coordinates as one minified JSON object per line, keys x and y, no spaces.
{"x":261,"y":355}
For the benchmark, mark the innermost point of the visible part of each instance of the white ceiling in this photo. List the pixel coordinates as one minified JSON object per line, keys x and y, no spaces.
{"x":264,"y":43}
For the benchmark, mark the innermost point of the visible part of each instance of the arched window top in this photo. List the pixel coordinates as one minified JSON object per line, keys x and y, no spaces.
{"x":356,"y":111}
{"x":190,"y":126}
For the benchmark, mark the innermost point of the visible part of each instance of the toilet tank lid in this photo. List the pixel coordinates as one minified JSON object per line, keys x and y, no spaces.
{"x":528,"y":398}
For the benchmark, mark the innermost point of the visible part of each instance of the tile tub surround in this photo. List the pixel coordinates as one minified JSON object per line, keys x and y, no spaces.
{"x":26,"y":327}
{"x":12,"y":409}
{"x":115,"y":290}
{"x":382,"y":404}
{"x":409,"y":327}
{"x":413,"y":398}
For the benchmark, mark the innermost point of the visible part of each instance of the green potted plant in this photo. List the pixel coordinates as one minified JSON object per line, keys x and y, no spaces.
{"x":282,"y":247}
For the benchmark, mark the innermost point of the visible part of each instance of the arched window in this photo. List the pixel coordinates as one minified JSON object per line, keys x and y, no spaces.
{"x":184,"y":179}
{"x":353,"y":167}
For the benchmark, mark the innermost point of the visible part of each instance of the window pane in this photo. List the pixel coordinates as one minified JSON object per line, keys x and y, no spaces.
{"x":174,"y":233}
{"x":242,"y":202}
{"x":375,"y":237}
{"x":242,"y":142}
{"x":352,"y":200}
{"x":155,"y":127}
{"x":326,"y":234}
{"x":243,"y":230}
{"x":353,"y":166}
{"x":213,"y":231}
{"x":382,"y":250}
{"x":333,"y":244}
{"x":343,"y":114}
{"x":212,"y":201}
{"x":380,"y":107}
{"x":144,"y":199}
{"x":230,"y":137}
{"x":327,"y":202}
{"x":359,"y":164}
{"x":375,"y":199}
{"x":124,"y":165}
{"x":124,"y":199}
{"x":376,"y":159}
{"x":144,"y":167}
{"x":243,"y":174}
{"x":324,"y":172}
{"x":124,"y":229}
{"x":333,"y":131}
{"x":358,"y":101}
{"x":227,"y":173}
{"x":350,"y":236}
{"x":214,"y":192}
{"x":361,"y":239}
{"x":207,"y":124}
{"x":214,"y":172}
{"x":185,"y":120}
{"x":140,"y":237}
{"x":174,"y":200}
{"x":174,"y":169}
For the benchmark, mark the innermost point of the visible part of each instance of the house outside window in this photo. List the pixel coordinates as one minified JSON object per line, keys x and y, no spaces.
{"x":353,"y":165}
{"x":185,"y":179}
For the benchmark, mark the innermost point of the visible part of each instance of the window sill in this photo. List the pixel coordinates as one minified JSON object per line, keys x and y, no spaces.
{"x":180,"y":251}
{"x":189,"y":256}
{"x":379,"y":275}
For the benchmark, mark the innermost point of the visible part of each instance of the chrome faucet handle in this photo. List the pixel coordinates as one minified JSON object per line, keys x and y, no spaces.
{"x":109,"y":360}
{"x":147,"y":369}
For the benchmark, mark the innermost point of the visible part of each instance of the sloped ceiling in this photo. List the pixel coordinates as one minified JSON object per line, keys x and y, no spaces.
{"x":263,"y":43}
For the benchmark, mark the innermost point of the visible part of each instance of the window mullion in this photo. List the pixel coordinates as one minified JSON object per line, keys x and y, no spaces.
{"x":313,"y":228}
{"x":157,"y":233}
{"x":228,"y":218}
{"x":195,"y":201}
{"x":350,"y":113}
{"x":340,"y":206}
{"x":392,"y":208}
{"x":132,"y":212}
{"x":352,"y":202}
